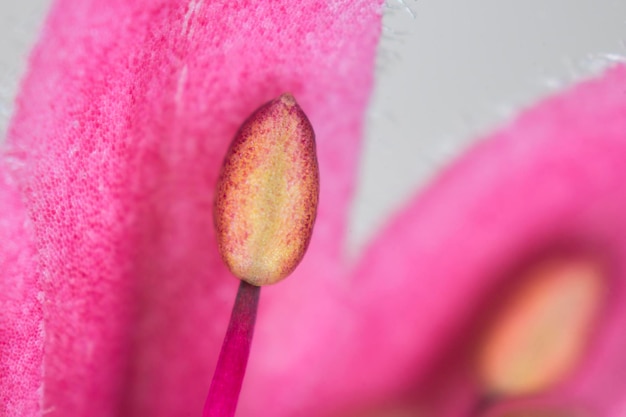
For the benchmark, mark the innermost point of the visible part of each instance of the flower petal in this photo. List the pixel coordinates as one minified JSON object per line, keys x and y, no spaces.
{"x":553,"y":177}
{"x":21,"y":320}
{"x":121,"y":126}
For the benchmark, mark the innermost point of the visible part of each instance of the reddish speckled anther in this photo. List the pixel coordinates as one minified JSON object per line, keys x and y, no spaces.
{"x":267,"y":193}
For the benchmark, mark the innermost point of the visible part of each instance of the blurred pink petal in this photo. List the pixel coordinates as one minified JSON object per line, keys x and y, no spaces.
{"x":553,"y":178}
{"x":121,"y":127}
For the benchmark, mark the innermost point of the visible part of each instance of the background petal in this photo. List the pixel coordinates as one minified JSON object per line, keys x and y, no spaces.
{"x":553,"y":178}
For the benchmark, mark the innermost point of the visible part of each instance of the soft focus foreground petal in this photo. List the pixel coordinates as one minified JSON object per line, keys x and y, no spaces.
{"x":121,"y":127}
{"x":21,"y":318}
{"x":553,"y":178}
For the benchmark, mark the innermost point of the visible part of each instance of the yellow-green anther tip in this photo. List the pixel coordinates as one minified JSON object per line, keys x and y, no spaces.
{"x":267,"y":193}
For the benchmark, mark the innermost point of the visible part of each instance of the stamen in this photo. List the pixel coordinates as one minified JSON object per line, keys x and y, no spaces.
{"x":231,"y":365}
{"x":265,"y":207}
{"x":267,"y":193}
{"x":541,"y":334}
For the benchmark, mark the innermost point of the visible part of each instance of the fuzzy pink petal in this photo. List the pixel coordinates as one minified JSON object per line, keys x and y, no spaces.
{"x":121,"y":127}
{"x":21,"y":318}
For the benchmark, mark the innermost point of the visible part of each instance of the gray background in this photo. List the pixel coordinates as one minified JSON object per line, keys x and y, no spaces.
{"x":447,"y":72}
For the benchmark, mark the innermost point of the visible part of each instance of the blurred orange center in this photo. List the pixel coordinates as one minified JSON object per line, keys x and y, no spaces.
{"x":540,"y":335}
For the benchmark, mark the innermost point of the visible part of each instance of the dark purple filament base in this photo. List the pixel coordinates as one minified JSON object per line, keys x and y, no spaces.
{"x":231,"y":365}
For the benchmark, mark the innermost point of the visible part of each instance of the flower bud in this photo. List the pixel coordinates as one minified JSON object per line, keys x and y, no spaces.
{"x":267,"y":193}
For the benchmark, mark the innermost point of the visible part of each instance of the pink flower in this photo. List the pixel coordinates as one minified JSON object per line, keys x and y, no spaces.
{"x":115,"y":300}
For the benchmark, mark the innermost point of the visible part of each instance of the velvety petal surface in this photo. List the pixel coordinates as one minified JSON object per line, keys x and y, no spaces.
{"x":21,"y":320}
{"x":120,"y":130}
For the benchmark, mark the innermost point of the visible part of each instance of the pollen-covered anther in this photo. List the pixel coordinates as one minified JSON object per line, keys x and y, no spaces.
{"x":540,"y":335}
{"x":267,"y":193}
